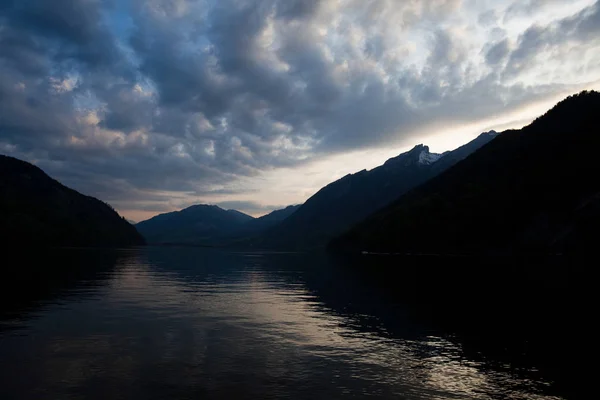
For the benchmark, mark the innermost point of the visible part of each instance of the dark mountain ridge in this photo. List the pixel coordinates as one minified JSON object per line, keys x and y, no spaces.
{"x":345,"y":202}
{"x":207,"y":225}
{"x":38,"y":210}
{"x":196,"y":224}
{"x":267,"y":221}
{"x":530,"y":190}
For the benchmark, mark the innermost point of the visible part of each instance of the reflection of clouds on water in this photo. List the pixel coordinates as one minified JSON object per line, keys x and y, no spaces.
{"x":242,"y":331}
{"x":291,"y":319}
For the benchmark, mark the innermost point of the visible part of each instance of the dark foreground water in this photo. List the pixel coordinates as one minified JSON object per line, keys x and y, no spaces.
{"x":203,"y":324}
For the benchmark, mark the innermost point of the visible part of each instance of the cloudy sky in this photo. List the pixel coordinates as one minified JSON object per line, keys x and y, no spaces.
{"x":154,"y":105}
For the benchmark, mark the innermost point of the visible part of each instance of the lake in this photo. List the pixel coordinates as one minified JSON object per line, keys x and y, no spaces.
{"x":186,"y":323}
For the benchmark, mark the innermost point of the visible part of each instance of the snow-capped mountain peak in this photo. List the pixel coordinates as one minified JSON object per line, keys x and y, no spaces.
{"x":419,"y":155}
{"x":427,"y":158}
{"x":491,"y":133}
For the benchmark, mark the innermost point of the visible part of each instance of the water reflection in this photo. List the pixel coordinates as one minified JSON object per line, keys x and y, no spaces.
{"x":189,"y":323}
{"x":33,"y":278}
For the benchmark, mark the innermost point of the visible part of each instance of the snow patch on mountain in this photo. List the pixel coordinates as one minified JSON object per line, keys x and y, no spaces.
{"x":427,"y":158}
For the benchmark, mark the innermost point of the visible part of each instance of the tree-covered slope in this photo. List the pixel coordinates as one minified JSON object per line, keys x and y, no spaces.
{"x":38,"y":210}
{"x":530,"y":190}
{"x":345,"y":202}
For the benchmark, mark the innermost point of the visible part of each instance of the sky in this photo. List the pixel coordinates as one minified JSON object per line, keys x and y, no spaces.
{"x":155,"y":105}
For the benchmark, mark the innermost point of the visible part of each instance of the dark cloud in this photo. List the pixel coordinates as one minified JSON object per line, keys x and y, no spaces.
{"x":585,"y":25}
{"x":298,"y":9}
{"x":498,"y":52}
{"x":66,"y":29}
{"x":134,"y":101}
{"x":579,"y":29}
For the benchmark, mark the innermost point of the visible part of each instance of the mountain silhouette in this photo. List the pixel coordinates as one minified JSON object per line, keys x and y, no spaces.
{"x":207,"y":225}
{"x":38,"y":210}
{"x":530,"y":190}
{"x":197,"y":224}
{"x":345,"y":202}
{"x":270,"y":220}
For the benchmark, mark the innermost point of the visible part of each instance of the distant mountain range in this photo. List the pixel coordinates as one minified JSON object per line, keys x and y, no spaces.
{"x":207,"y":225}
{"x":328,"y":213}
{"x":38,"y":210}
{"x":270,"y":220}
{"x":347,"y":201}
{"x":530,"y":190}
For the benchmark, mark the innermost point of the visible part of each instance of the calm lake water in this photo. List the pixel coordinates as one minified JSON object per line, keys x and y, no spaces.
{"x":194,"y":323}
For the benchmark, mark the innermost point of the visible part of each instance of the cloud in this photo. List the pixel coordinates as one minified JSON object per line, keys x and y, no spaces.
{"x":153,"y":104}
{"x":488,"y":18}
{"x":498,"y":52}
{"x":580,"y":30}
{"x":528,"y":8}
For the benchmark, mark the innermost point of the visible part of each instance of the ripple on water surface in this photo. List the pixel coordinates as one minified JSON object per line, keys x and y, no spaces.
{"x":193,"y":323}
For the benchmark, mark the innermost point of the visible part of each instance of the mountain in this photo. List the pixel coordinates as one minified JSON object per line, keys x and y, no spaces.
{"x":272,"y":219}
{"x":241,"y":217}
{"x":345,"y":202}
{"x":530,"y":190}
{"x":452,"y":157}
{"x":38,"y":210}
{"x":199,"y":224}
{"x":208,"y":225}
